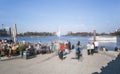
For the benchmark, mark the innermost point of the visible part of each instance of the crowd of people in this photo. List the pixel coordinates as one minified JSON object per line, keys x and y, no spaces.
{"x":66,"y":49}
{"x":9,"y":48}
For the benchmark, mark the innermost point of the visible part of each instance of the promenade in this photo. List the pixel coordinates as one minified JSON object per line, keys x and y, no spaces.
{"x":51,"y":64}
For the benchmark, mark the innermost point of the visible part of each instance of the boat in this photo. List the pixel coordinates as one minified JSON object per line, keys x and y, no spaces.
{"x":105,"y":38}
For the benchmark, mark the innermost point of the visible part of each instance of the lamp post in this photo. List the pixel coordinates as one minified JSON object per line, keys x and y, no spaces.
{"x":94,"y":34}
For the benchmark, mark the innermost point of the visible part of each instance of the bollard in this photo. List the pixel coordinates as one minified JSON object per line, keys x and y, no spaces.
{"x":25,"y":55}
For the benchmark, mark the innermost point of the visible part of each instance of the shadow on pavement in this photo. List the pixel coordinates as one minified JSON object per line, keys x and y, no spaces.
{"x":113,"y":67}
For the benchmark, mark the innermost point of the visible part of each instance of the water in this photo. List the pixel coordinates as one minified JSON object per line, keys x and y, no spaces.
{"x":73,"y":39}
{"x":49,"y":39}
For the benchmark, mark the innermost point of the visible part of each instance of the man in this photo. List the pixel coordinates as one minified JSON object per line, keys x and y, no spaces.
{"x":89,"y":48}
{"x":96,"y":46}
{"x":69,"y":45}
{"x":62,"y":49}
{"x":92,"y":48}
{"x":78,"y":50}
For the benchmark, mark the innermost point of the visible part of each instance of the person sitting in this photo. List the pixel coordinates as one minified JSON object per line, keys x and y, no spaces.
{"x":14,"y":49}
{"x":103,"y":49}
{"x":116,"y":48}
{"x":10,"y":49}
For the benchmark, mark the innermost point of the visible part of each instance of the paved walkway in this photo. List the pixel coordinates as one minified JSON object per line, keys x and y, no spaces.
{"x":51,"y":64}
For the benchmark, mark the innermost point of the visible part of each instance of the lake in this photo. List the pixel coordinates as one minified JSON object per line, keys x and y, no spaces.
{"x":73,"y":39}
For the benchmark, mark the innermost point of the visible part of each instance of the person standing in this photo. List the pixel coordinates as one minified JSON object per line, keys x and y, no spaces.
{"x":77,"y":50}
{"x":69,"y":45}
{"x":92,"y":48}
{"x":96,"y":46}
{"x":89,"y":48}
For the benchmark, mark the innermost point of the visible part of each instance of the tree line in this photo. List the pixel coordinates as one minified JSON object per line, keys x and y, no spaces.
{"x":36,"y":34}
{"x":68,"y":34}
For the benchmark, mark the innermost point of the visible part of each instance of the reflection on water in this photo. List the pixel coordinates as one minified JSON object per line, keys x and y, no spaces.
{"x":108,"y":45}
{"x":74,"y":39}
{"x":109,"y":42}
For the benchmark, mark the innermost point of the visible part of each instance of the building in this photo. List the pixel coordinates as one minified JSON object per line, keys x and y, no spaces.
{"x":118,"y":30}
{"x":8,"y":30}
{"x":5,"y":31}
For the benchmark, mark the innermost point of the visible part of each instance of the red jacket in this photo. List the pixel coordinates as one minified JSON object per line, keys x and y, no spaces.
{"x":62,"y":47}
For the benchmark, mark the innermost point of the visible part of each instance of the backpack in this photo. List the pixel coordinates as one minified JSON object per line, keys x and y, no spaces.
{"x":77,"y":49}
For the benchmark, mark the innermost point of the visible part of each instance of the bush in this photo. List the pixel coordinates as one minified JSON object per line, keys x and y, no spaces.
{"x":21,"y":48}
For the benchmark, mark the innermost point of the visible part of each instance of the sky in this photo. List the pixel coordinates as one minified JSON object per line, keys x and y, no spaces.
{"x":69,"y":15}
